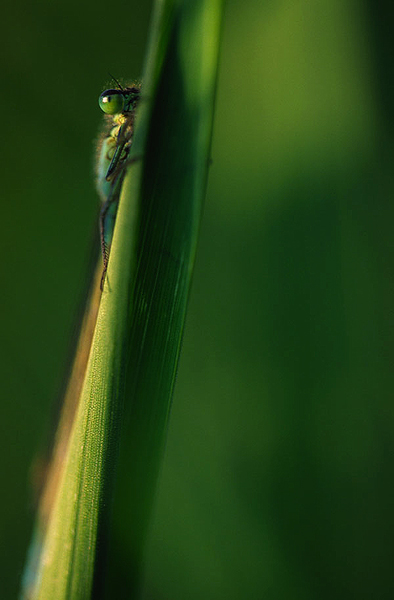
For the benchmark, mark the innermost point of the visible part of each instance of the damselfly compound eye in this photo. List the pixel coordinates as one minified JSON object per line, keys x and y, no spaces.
{"x":111,"y":102}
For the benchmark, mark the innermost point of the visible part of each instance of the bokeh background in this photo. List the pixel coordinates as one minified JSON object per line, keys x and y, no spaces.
{"x":277,"y":481}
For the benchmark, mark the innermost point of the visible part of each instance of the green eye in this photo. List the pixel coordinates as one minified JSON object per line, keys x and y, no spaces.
{"x":111,"y":102}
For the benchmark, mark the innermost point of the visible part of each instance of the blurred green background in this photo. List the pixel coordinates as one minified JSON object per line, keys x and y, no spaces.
{"x":277,"y":481}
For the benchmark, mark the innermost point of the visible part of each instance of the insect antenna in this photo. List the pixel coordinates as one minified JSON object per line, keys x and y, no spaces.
{"x":116,"y":81}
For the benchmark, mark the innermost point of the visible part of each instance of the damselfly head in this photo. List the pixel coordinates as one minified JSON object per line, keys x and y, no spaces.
{"x":113,"y":102}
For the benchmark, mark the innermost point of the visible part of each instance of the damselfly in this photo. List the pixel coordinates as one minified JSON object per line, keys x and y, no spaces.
{"x":114,"y":147}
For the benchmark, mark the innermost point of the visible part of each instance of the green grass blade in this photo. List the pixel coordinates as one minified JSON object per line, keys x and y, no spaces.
{"x":141,"y":315}
{"x":173,"y":187}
